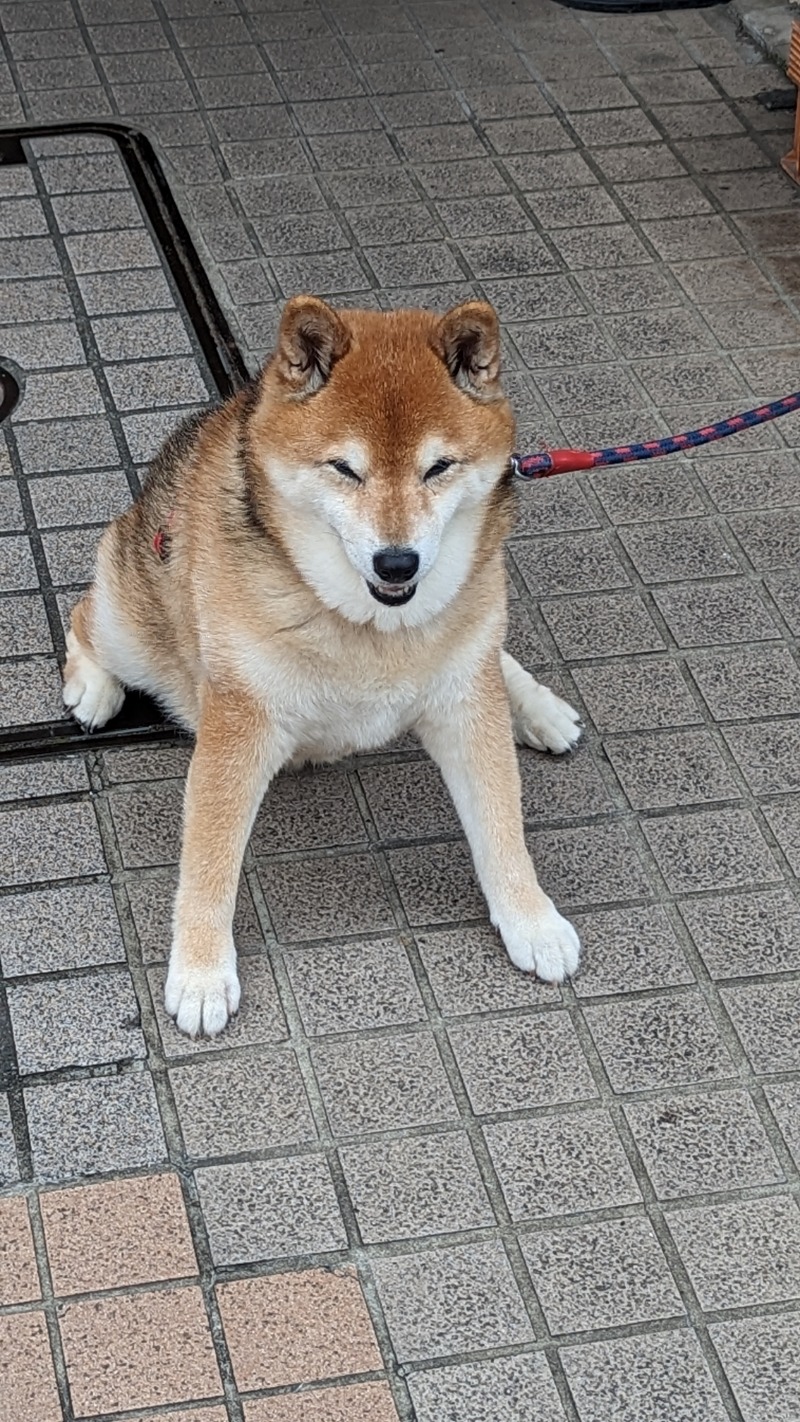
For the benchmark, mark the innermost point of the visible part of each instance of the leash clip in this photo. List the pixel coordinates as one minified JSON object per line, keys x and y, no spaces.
{"x":517,"y":470}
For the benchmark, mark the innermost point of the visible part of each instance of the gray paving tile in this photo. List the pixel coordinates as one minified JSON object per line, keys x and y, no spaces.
{"x":24,"y":628}
{"x":656,"y":1375}
{"x":242,"y":1103}
{"x":738,"y":482}
{"x":30,"y":692}
{"x":44,"y":344}
{"x":451,"y":1301}
{"x":58,"y":445}
{"x":767,"y":753}
{"x":765,"y":1016}
{"x":146,"y":385}
{"x":348,"y":987}
{"x":28,"y":257}
{"x":17,"y":567}
{"x":40,"y":299}
{"x":147,"y":819}
{"x":127,"y":338}
{"x":675,"y":552}
{"x":95,"y":211}
{"x":79,"y":498}
{"x":571,"y":563}
{"x":307,"y":811}
{"x":710,"y":614}
{"x":48,"y":930}
{"x":617,"y":624}
{"x":561,"y":1165}
{"x":662,"y":769}
{"x":436,"y":883}
{"x":270,"y":1209}
{"x":470,"y":1391}
{"x":715,"y":849}
{"x":26,"y":779}
{"x":71,"y":556}
{"x":742,"y":685}
{"x":639,"y":695}
{"x":102,"y":1125}
{"x":593,"y":864}
{"x":601,"y":1275}
{"x":317,"y":898}
{"x":784,"y":1101}
{"x":744,"y":935}
{"x":111,"y":251}
{"x":416,"y":1186}
{"x":628,"y":950}
{"x":12,"y":518}
{"x":515,"y":1063}
{"x":52,"y":393}
{"x":470,"y":971}
{"x":770,"y":540}
{"x":740,"y":1254}
{"x":659,"y":1042}
{"x":409,"y":800}
{"x":146,"y":432}
{"x":702,"y":1143}
{"x":9,"y":1169}
{"x":760,"y":1359}
{"x":85,"y":1021}
{"x":380,"y":1083}
{"x":638,"y":495}
{"x":59,"y":841}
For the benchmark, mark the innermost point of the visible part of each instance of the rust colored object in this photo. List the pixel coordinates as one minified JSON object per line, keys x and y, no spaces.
{"x":791,"y":163}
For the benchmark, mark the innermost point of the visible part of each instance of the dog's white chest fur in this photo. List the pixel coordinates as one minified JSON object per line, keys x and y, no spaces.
{"x":329,"y":707}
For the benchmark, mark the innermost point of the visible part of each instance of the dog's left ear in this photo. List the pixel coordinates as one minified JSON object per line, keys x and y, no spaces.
{"x":467,"y":339}
{"x":311,"y":338}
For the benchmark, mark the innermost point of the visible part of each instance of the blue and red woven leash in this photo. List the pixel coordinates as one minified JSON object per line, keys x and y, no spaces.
{"x":565,"y":461}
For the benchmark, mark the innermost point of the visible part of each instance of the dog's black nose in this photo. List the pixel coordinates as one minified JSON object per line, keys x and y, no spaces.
{"x":396,"y":565}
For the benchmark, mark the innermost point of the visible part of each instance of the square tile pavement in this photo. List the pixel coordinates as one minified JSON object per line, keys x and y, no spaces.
{"x":615,"y":207}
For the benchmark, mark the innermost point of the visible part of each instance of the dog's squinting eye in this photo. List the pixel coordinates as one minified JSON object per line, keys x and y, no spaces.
{"x":440,"y":467}
{"x":342,"y":467}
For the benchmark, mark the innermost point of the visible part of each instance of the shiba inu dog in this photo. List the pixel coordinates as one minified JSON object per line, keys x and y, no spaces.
{"x":310,"y":570}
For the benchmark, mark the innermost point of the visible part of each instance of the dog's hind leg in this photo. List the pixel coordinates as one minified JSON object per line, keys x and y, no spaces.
{"x":90,"y":692}
{"x":539,"y":717}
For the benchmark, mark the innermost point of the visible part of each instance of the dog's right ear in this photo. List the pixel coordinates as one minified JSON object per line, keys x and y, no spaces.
{"x":311,"y":338}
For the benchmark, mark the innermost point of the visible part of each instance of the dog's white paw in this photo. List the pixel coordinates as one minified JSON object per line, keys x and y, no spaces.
{"x":201,"y":999}
{"x":93,"y":695}
{"x":545,"y":944}
{"x":542,"y":720}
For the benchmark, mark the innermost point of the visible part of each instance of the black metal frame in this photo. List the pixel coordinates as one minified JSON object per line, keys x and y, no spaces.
{"x":140,"y":720}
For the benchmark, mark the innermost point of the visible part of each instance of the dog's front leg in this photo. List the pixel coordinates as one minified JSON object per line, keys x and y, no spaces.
{"x":472,"y":741}
{"x":237,"y":753}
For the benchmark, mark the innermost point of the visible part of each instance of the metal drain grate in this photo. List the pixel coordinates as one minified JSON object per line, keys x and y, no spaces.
{"x":109,"y":333}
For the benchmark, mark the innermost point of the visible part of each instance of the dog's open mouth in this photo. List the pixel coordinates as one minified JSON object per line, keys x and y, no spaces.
{"x":392,"y":594}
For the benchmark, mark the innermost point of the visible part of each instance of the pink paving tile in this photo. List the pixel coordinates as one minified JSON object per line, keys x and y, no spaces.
{"x":116,"y":1233}
{"x":19,"y":1277}
{"x":297,"y":1327}
{"x":138,"y":1350}
{"x":27,"y":1381}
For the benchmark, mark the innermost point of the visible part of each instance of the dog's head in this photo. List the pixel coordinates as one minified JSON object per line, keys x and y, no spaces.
{"x":382,"y":437}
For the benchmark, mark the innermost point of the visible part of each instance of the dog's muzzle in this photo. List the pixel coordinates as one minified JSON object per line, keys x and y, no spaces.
{"x":395,"y":568}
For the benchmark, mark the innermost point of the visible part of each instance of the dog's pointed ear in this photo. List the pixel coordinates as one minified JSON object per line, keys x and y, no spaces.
{"x":311,"y":338}
{"x":467,"y":339}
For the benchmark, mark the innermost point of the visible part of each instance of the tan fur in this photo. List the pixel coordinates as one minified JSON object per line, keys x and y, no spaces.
{"x":258,"y":631}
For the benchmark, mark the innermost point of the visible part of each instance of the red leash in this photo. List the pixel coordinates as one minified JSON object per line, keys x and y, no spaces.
{"x":565,"y":461}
